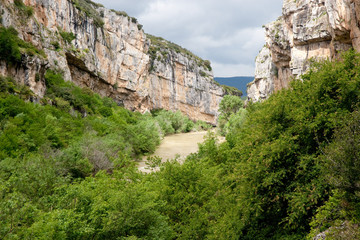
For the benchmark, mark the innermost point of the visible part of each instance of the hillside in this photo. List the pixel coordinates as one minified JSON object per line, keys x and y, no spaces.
{"x":288,"y":170}
{"x":108,"y":52}
{"x":237,"y":82}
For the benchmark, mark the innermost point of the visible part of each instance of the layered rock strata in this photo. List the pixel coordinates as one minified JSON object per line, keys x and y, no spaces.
{"x":307,"y":29}
{"x":108,"y":52}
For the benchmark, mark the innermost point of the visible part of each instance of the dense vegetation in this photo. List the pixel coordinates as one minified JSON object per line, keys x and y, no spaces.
{"x":71,"y":136}
{"x":12,"y":48}
{"x":288,"y":170}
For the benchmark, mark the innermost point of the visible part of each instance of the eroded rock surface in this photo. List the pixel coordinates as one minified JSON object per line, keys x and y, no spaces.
{"x":308,"y":29}
{"x":110,"y":55}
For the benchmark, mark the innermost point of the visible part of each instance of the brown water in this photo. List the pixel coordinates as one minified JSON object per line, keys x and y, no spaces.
{"x":178,"y":144}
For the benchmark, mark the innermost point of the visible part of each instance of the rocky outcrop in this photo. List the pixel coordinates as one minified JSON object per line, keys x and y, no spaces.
{"x":265,"y":69}
{"x":308,"y":29}
{"x":108,"y":52}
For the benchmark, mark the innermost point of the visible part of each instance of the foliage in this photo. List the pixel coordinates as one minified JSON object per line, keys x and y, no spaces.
{"x":85,"y":210}
{"x":235,"y":122}
{"x":268,"y":173}
{"x":25,"y":10}
{"x":230,"y":104}
{"x":161,"y":46}
{"x":12,"y":47}
{"x":67,"y":36}
{"x":49,"y":155}
{"x":228,"y":108}
{"x":67,"y":169}
{"x":175,"y":122}
{"x":232,"y":90}
{"x":341,"y":164}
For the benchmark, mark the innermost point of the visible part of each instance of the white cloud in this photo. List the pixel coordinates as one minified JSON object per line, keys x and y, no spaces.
{"x":231,"y":70}
{"x":227,"y":32}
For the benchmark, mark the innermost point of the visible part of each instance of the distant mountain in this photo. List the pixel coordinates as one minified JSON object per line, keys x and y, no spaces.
{"x":238,"y":82}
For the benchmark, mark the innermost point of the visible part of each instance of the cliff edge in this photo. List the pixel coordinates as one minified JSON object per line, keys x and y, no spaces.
{"x":307,"y":29}
{"x":108,"y":52}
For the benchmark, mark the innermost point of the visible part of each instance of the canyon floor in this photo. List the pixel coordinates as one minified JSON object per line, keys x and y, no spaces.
{"x":181,"y":144}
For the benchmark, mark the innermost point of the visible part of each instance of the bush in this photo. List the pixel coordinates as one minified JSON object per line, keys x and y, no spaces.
{"x":26,"y":10}
{"x":12,"y":47}
{"x":67,"y":36}
{"x":228,"y":108}
{"x":9,"y":47}
{"x":341,"y":159}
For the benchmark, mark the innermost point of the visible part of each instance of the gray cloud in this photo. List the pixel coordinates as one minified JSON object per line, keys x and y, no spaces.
{"x":227,"y":32}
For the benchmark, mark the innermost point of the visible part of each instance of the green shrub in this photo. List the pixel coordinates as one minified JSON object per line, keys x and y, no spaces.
{"x":9,"y":86}
{"x":67,"y":36}
{"x":207,"y":64}
{"x":228,"y":108}
{"x":26,"y":10}
{"x":9,"y":46}
{"x":82,"y":100}
{"x":232,"y":90}
{"x":12,"y":47}
{"x":56,"y":45}
{"x":201,"y":125}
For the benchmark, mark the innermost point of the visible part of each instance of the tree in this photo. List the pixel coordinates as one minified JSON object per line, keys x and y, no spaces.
{"x":342,"y":158}
{"x":230,"y":104}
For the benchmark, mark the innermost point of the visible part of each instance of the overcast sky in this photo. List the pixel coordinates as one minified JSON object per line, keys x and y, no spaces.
{"x":228,"y":33}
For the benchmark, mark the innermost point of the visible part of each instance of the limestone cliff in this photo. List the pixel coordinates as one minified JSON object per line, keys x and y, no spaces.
{"x":108,"y":52}
{"x":307,"y":29}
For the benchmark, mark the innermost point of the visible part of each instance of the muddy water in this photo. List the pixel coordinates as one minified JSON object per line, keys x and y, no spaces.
{"x":182,"y":144}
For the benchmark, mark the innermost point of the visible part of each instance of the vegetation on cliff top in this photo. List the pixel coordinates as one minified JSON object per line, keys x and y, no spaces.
{"x":159,"y":48}
{"x":89,"y":9}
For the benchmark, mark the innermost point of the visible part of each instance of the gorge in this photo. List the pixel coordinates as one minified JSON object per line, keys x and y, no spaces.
{"x":108,"y":52}
{"x":84,"y":94}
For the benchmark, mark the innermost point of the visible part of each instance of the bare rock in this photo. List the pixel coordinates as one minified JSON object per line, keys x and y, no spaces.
{"x":310,"y":29}
{"x":110,"y":55}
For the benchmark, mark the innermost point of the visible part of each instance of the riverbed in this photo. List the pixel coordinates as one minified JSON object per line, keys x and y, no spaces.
{"x":181,"y":144}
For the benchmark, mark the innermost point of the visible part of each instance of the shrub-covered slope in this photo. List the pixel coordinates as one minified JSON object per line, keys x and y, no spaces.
{"x":288,"y":170}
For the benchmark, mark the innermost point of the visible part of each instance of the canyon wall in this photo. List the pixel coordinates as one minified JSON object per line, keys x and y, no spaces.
{"x":108,"y":52}
{"x":307,"y":29}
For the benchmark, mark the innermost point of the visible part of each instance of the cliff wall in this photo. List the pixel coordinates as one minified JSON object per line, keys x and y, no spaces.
{"x":108,"y":52}
{"x":307,"y":29}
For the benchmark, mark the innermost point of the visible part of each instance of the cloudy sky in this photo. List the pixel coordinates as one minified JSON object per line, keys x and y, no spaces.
{"x":227,"y":32}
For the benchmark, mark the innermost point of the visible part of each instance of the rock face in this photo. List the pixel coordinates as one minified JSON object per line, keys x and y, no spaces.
{"x":308,"y":29}
{"x":108,"y":52}
{"x":265,"y":69}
